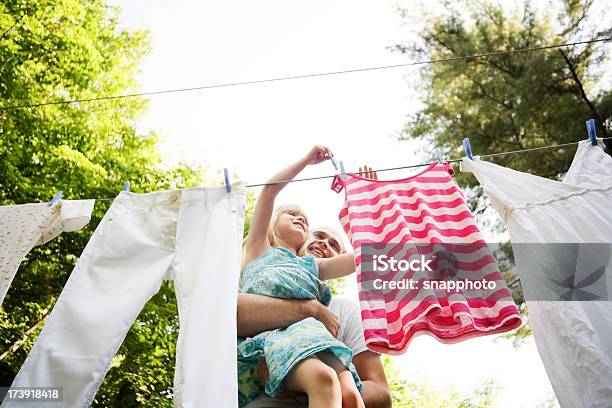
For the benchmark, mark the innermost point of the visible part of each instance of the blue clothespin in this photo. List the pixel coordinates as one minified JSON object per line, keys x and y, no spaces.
{"x":56,"y":197}
{"x":334,"y":162}
{"x":342,"y":170}
{"x":126,"y":186}
{"x":592,"y":131}
{"x":468,"y":149}
{"x":228,"y":188}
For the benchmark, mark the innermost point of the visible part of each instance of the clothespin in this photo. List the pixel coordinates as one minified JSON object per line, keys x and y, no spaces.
{"x":592,"y":131}
{"x":56,"y":197}
{"x":342,"y":170}
{"x":439,"y":155}
{"x":334,"y":162}
{"x":126,"y":186}
{"x":468,"y":149}
{"x":228,"y":188}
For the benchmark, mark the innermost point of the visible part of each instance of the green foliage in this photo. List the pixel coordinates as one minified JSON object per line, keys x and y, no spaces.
{"x":419,"y":394}
{"x":336,"y":285}
{"x":67,"y":49}
{"x":511,"y":101}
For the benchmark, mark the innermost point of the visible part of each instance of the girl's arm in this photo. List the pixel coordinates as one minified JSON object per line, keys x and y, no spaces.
{"x":336,"y":267}
{"x":257,"y":240}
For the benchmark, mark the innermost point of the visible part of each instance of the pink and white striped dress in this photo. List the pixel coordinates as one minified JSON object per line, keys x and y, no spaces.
{"x":421,"y":213}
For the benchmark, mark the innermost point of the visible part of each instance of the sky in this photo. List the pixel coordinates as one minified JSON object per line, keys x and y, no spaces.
{"x":256,"y":130}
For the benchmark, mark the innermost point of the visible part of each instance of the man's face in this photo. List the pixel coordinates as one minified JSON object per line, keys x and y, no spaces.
{"x":322,"y":245}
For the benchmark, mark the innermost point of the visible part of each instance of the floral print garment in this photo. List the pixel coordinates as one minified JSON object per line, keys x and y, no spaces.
{"x":26,"y":225}
{"x":280,"y":273}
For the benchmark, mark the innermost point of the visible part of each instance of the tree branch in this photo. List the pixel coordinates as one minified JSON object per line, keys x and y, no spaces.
{"x":16,"y":345}
{"x":584,"y":96}
{"x":14,"y":24}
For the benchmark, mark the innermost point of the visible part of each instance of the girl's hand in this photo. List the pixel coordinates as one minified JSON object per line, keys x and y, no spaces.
{"x":257,"y":240}
{"x":317,"y":155}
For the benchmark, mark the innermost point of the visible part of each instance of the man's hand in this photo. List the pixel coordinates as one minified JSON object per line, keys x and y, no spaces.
{"x":258,"y":313}
{"x":367,"y":172}
{"x":325,"y":316}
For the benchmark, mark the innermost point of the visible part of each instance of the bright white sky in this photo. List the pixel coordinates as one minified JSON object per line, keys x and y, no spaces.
{"x":255,"y":130}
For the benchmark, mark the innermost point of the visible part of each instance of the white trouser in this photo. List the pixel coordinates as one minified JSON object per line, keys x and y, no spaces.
{"x":193,"y":235}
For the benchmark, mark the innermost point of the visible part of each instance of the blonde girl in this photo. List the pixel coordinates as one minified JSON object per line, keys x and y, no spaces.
{"x":303,"y":357}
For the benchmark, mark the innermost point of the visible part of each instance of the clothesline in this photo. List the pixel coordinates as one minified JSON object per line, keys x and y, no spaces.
{"x":401,"y":167}
{"x":510,"y":285}
{"x":286,"y":78}
{"x":426,"y":164}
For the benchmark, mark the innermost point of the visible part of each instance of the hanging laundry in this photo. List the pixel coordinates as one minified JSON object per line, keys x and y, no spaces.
{"x":424,"y":211}
{"x":24,"y":226}
{"x":556,"y":224}
{"x":194,"y":235}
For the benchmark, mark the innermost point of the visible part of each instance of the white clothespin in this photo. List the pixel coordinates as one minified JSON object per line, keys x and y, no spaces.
{"x":334,"y":162}
{"x":342,"y":172}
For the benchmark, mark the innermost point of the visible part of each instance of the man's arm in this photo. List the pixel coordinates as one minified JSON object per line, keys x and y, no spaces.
{"x":375,"y":391}
{"x":260,"y":313}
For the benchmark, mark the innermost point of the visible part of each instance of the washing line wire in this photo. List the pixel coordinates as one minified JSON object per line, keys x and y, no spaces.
{"x":320,"y":74}
{"x":401,"y":167}
{"x":510,"y":285}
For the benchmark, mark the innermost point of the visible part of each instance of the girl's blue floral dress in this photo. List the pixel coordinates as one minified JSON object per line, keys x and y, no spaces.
{"x":280,"y":273}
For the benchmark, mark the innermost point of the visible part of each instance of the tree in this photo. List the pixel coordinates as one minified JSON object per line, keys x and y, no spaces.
{"x":65,"y":49}
{"x":71,"y":49}
{"x":418,"y":393}
{"x":511,"y":101}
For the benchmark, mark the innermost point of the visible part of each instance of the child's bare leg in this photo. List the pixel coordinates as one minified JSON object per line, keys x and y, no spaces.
{"x":351,"y":398}
{"x":318,"y":380}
